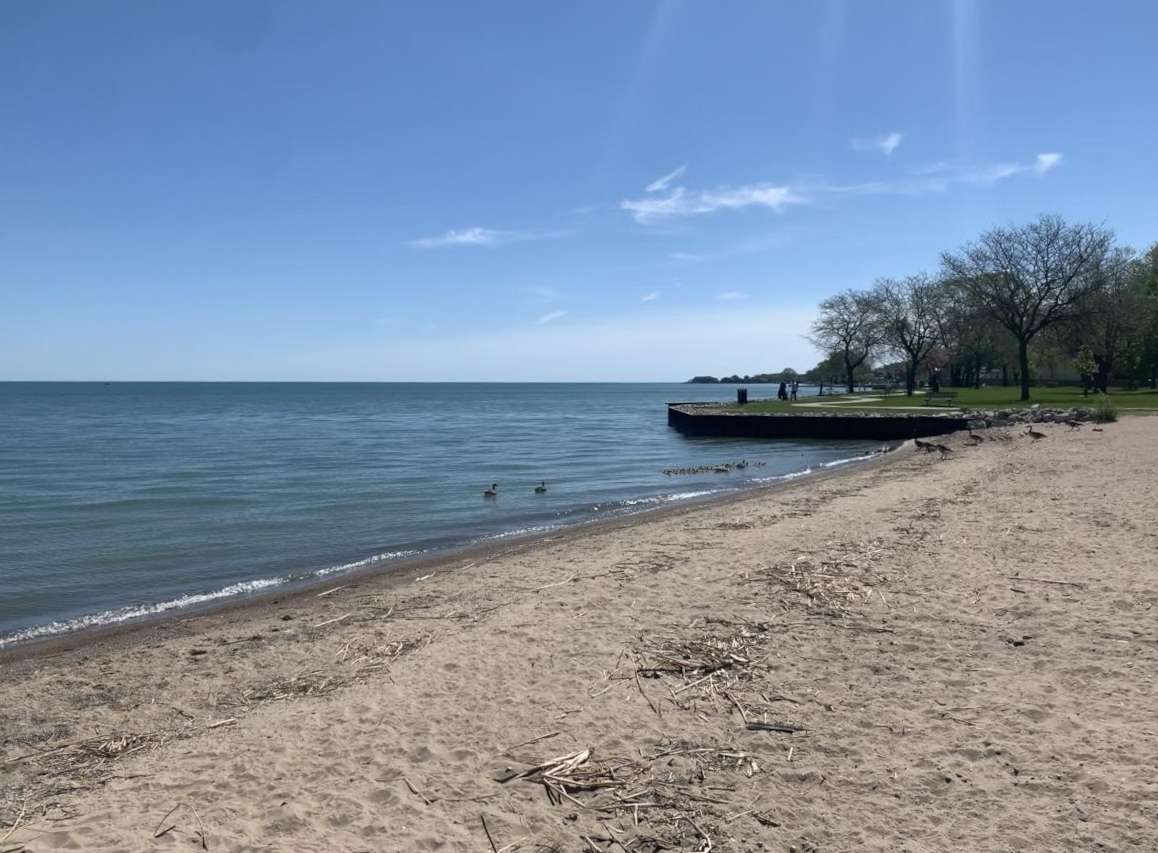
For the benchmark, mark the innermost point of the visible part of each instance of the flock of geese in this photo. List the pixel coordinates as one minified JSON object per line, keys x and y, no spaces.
{"x":975,"y":439}
{"x":493,"y":491}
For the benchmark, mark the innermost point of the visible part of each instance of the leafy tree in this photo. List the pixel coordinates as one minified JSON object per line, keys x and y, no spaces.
{"x":1031,"y":277}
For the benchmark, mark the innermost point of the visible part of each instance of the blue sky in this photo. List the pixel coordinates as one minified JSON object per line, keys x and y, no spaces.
{"x":528,"y":191}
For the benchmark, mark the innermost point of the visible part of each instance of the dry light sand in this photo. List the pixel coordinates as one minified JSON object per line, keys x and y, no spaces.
{"x":919,"y":654}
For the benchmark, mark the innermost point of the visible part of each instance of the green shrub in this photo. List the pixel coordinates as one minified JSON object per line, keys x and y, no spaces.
{"x":1105,"y":411}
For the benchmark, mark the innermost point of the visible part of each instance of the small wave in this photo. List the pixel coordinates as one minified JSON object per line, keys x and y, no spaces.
{"x":139,"y":611}
{"x":519,"y":531}
{"x":124,"y":614}
{"x":796,"y":475}
{"x":835,"y":462}
{"x":663,"y":499}
{"x":368,"y":561}
{"x":782,"y":478}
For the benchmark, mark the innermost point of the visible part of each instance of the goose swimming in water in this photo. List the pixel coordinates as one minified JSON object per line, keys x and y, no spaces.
{"x":492,"y":491}
{"x":541,"y":488}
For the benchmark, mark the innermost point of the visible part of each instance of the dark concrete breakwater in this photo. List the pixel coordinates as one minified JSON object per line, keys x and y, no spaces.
{"x":711,"y":419}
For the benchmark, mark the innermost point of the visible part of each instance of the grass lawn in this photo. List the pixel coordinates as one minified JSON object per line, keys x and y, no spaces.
{"x":968,"y":398}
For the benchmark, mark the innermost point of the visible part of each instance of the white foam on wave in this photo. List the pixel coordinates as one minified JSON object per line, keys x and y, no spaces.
{"x":796,"y":475}
{"x":519,"y":531}
{"x":118,"y":615}
{"x":369,"y":561}
{"x":835,"y":462}
{"x":137,"y":611}
{"x":663,"y":499}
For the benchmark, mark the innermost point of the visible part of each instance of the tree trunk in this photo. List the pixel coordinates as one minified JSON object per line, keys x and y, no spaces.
{"x":1102,"y":379}
{"x":1004,"y":375}
{"x":911,"y":376}
{"x":851,"y":383}
{"x":1023,"y":366}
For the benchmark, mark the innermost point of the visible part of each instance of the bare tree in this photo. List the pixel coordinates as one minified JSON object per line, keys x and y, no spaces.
{"x":1031,"y":277}
{"x":910,"y":312}
{"x":848,"y":325}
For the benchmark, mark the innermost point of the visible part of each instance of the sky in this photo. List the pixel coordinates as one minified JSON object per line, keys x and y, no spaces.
{"x":529,"y":191}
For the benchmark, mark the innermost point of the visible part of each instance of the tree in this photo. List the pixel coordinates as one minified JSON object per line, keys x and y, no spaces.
{"x":849,"y":324}
{"x":1112,"y":326}
{"x":910,"y":312}
{"x":1032,"y":276}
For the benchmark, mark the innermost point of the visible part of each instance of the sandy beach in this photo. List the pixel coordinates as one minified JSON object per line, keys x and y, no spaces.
{"x":919,"y":654}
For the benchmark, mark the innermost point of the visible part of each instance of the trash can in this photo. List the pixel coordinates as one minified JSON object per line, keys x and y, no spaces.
{"x":741,"y":396}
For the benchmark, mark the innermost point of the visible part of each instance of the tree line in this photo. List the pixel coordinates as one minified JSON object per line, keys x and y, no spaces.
{"x":1016,"y":298}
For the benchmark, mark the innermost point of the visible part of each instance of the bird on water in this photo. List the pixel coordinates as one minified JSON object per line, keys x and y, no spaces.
{"x":541,"y":488}
{"x":492,"y":491}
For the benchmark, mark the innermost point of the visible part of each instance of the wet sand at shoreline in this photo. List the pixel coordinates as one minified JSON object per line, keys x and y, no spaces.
{"x":914,"y":655}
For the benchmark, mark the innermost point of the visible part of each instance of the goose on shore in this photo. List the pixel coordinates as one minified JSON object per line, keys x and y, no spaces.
{"x":974,"y":438}
{"x":1034,"y":434}
{"x":541,"y":488}
{"x":492,"y":491}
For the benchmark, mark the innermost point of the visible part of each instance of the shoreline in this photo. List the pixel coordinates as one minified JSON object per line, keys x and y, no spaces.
{"x":949,"y":650}
{"x":404,"y":570}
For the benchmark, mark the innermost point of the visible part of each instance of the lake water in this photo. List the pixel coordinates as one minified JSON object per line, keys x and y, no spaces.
{"x":126,"y":499}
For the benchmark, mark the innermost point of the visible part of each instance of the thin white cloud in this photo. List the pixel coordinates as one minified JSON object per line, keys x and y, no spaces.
{"x":1047,"y":161}
{"x":936,"y":177}
{"x":939,"y":177}
{"x":551,"y":317}
{"x":480,"y":237}
{"x":679,"y":202}
{"x":685,"y":256}
{"x":661,"y":184}
{"x":885,"y":144}
{"x":650,"y":297}
{"x":732,"y":296}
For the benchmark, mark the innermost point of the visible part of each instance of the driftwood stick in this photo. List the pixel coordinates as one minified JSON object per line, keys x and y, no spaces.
{"x":739,"y":707}
{"x":643,"y":693}
{"x":1080,"y":584}
{"x":157,"y":831}
{"x":201,"y":829}
{"x":16,"y":824}
{"x":531,"y":741}
{"x":706,"y":847}
{"x":486,"y":829}
{"x":335,"y":619}
{"x":786,"y":728}
{"x":416,"y":792}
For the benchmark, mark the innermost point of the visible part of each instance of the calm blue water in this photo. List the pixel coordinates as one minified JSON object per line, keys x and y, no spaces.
{"x":118,"y":500}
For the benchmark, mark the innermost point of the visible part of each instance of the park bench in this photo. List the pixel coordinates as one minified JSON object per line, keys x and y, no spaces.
{"x":940,"y":398}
